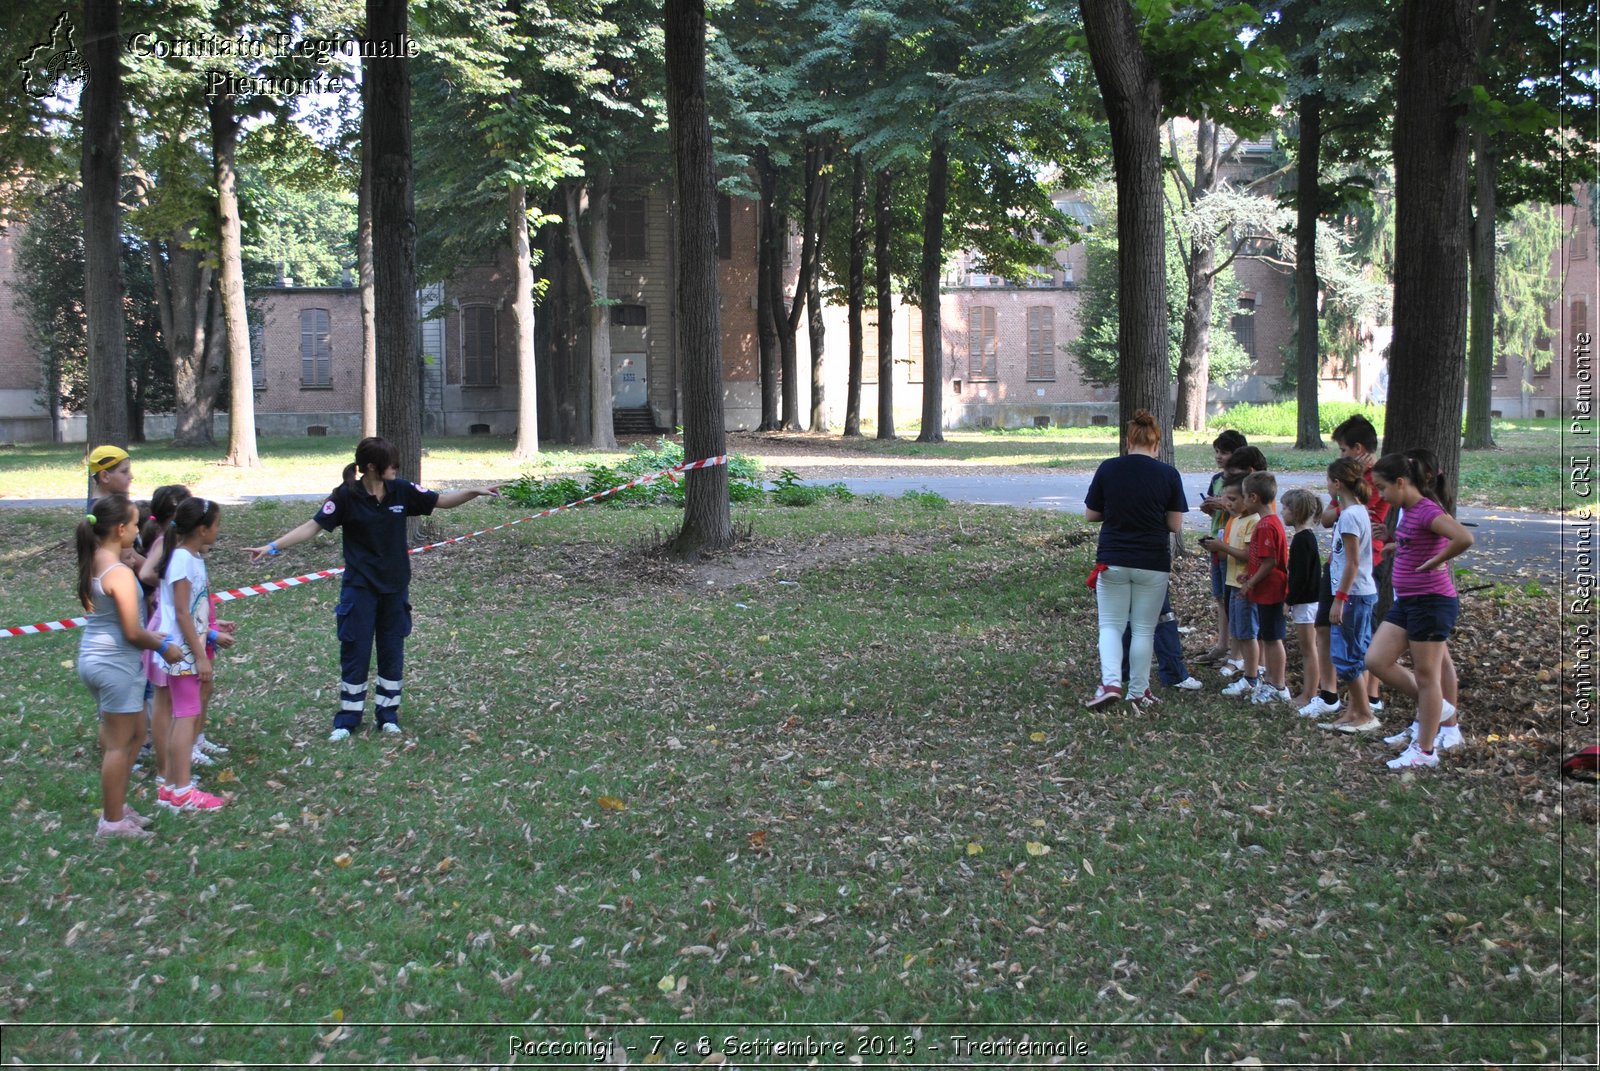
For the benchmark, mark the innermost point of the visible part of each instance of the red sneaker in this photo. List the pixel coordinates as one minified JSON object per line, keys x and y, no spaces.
{"x":1106,"y":693}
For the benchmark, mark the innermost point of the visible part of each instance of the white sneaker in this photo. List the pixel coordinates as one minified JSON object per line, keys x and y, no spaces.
{"x":1403,"y":737}
{"x":338,"y":735}
{"x":392,"y":728}
{"x":1265,"y":693}
{"x":1413,"y":758}
{"x":1449,"y":736}
{"x":1230,"y":666}
{"x":1190,"y":684}
{"x":200,"y":758}
{"x":1376,"y":705}
{"x":1242,"y":686}
{"x":1318,"y":708}
{"x":210,"y":747}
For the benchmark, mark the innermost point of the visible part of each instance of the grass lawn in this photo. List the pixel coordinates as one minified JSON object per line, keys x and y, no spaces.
{"x":830,"y":777}
{"x":1525,"y":472}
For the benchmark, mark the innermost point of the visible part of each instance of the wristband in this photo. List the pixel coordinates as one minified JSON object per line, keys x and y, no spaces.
{"x":1342,"y":596}
{"x":211,"y":636}
{"x":272,"y":549}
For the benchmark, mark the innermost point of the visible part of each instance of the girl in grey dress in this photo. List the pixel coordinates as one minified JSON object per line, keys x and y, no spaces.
{"x":109,"y":655}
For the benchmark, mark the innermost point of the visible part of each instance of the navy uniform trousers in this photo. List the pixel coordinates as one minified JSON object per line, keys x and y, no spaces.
{"x":366,"y":616}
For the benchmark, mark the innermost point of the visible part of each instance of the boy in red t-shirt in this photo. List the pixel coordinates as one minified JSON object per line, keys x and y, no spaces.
{"x":1266,"y":583}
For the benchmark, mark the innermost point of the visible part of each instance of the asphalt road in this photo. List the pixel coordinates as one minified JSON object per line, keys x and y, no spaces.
{"x":1511,"y":544}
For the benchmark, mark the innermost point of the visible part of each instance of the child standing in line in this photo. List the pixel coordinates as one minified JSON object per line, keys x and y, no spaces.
{"x":1425,"y":606}
{"x":1241,"y":613}
{"x":374,"y":604}
{"x":1437,"y":488}
{"x":1300,"y":509}
{"x":186,"y":615}
{"x":1265,"y":583}
{"x":1355,"y":594}
{"x":1222,"y":448}
{"x":109,"y":654}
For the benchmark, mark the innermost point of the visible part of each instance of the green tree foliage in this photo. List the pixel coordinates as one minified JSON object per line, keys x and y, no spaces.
{"x":1096,"y":349}
{"x":299,"y":209}
{"x":1525,"y":287}
{"x":49,"y":292}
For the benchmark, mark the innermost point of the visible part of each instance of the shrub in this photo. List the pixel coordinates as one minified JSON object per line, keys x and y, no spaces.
{"x":1282,"y":418}
{"x":744,"y":480}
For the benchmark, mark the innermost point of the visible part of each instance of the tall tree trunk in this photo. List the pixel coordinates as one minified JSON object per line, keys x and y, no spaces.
{"x":230,"y":287}
{"x":1194,"y":347}
{"x":707,"y":523}
{"x":103,"y":290}
{"x":365,"y":280}
{"x":789,"y":357}
{"x":938,"y":196}
{"x":184,"y":298}
{"x":769,"y":294}
{"x":883,"y":235}
{"x":1194,"y":351}
{"x":1427,"y":362}
{"x":593,"y":257}
{"x":1307,"y":285}
{"x":386,"y":102}
{"x":1132,"y":94}
{"x":857,"y":295}
{"x":1481,"y":301}
{"x":522,"y":317}
{"x":817,"y":201}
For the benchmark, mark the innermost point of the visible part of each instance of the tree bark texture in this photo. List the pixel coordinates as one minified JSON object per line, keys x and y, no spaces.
{"x":386,"y":100}
{"x":1132,"y":94}
{"x":707,"y":523}
{"x":814,"y":324}
{"x":1427,"y":362}
{"x":857,"y":295}
{"x":1307,"y":285}
{"x":1194,"y":349}
{"x":934,"y":204}
{"x":592,"y":254}
{"x":527,"y":445}
{"x":1482,"y":300}
{"x":365,"y":280}
{"x":101,"y":166}
{"x":230,"y":286}
{"x":883,"y":236}
{"x":184,"y":298}
{"x":769,"y":294}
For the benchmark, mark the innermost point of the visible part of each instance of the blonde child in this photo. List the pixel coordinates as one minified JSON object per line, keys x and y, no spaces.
{"x":1355,"y":593}
{"x":1425,"y":606}
{"x":1265,"y":583}
{"x":108,"y":656}
{"x":1241,"y":613}
{"x":1301,"y":508}
{"x":185,"y":608}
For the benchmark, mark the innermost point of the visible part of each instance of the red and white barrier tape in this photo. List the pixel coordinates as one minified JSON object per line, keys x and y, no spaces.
{"x":268,"y":587}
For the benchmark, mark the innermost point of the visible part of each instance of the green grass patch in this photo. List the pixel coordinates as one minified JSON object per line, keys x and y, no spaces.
{"x":828,"y":777}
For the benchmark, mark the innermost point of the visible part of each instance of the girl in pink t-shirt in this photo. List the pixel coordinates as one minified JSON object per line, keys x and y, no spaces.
{"x":1425,"y":603}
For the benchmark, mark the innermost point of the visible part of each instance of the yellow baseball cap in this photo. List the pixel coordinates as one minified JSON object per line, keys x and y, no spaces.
{"x":106,"y":457}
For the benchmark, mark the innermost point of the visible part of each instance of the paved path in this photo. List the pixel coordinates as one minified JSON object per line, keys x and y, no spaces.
{"x":1510,"y":543}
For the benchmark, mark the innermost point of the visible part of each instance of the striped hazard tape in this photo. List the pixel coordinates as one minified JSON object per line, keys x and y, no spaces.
{"x":269,"y":586}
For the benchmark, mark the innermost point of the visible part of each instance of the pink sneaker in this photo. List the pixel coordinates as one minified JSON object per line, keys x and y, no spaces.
{"x":140,"y":820}
{"x":126,"y":827}
{"x":192,"y":800}
{"x":1106,"y":693}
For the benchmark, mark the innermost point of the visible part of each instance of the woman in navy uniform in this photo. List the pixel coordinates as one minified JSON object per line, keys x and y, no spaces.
{"x":371,"y":505}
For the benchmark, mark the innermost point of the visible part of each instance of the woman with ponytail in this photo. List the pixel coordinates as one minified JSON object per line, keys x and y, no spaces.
{"x":109,"y":659}
{"x":1138,"y":501}
{"x":371,"y":505}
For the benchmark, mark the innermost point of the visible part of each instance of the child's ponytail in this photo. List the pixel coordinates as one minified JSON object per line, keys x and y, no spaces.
{"x":163,"y":504}
{"x":104,"y":517}
{"x":1347,"y":472}
{"x":191,"y":513}
{"x":1430,"y":479}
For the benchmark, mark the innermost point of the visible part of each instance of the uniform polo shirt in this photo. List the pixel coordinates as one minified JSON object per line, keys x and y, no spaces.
{"x":375,"y":552}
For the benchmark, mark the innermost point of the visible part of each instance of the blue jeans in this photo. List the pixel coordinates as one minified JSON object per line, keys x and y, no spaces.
{"x":1348,"y":639}
{"x":366,"y":616}
{"x":1128,"y":599}
{"x":1169,"y":647}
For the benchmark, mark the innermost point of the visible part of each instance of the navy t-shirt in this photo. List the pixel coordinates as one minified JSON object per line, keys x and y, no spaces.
{"x":1135,"y":493}
{"x":375,"y":553}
